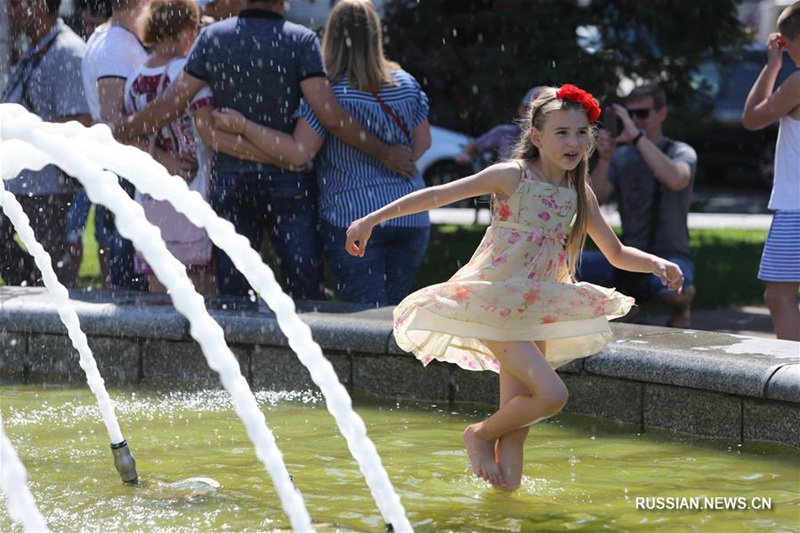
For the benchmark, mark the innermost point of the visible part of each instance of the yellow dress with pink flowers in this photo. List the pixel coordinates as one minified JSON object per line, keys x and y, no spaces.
{"x":516,"y":287}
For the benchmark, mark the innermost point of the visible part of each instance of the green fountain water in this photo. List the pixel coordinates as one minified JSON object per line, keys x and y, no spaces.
{"x":580,"y":473}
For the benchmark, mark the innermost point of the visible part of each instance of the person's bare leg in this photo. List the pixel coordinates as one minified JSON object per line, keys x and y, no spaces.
{"x":546,"y":396}
{"x":510,"y":447}
{"x":781,"y":299}
{"x":481,"y":456}
{"x":681,"y":306}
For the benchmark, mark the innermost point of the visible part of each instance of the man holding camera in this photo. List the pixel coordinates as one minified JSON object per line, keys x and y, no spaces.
{"x":651,"y":177}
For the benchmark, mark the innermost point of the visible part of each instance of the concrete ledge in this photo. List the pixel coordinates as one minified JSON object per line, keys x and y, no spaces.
{"x":710,"y":384}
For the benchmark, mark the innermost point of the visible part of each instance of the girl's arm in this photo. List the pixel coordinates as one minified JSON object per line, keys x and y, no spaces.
{"x":421,"y":137}
{"x":295,"y":149}
{"x":763,"y":107}
{"x":627,"y":257}
{"x":501,"y":179}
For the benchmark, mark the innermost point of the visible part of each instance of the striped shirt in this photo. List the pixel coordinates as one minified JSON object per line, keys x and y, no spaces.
{"x":353,"y":184}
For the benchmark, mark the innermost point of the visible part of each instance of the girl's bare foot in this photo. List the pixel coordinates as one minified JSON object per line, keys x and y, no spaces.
{"x":481,"y":457}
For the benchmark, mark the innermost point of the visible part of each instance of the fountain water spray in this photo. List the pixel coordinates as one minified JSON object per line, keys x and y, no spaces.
{"x":123,"y":459}
{"x":149,"y":177}
{"x":14,"y":482}
{"x":49,"y":145}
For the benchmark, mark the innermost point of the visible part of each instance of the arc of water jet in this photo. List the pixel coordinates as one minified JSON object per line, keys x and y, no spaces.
{"x":251,"y":265}
{"x":151,"y":178}
{"x":13,"y":210}
{"x":123,"y":459}
{"x":102,"y":188}
{"x":14,"y":482}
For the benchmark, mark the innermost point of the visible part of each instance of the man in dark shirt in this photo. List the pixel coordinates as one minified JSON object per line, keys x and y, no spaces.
{"x":652,"y":178}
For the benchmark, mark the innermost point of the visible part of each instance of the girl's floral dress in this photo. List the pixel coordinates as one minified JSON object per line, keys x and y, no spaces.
{"x":516,"y":287}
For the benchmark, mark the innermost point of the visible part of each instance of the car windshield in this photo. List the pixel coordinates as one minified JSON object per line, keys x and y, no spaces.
{"x":733,"y":80}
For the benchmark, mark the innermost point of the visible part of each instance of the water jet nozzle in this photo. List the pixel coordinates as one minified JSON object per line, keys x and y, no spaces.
{"x":125,"y":463}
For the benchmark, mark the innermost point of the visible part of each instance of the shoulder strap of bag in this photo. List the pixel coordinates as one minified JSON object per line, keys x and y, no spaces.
{"x":655,"y":208}
{"x":24,"y":73}
{"x":393,"y":116}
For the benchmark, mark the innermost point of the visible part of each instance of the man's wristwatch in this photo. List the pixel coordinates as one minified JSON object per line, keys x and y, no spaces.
{"x":638,"y":136}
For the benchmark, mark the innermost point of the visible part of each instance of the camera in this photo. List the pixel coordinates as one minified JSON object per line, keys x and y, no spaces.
{"x":611,"y":121}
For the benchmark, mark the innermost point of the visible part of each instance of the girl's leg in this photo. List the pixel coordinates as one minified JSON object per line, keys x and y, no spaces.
{"x":546,"y":395}
{"x":781,"y":299}
{"x":509,"y":450}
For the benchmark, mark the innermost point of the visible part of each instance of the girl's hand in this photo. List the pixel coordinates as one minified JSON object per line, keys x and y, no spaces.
{"x":229,"y":120}
{"x":670,"y":274}
{"x":358,"y":232}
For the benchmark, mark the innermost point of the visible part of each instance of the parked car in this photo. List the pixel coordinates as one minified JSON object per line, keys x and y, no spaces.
{"x":725,"y":150}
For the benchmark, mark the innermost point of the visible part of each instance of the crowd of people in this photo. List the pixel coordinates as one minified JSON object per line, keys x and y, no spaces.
{"x":152,"y":74}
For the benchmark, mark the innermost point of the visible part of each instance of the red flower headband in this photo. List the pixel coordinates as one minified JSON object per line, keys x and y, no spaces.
{"x":576,"y":95}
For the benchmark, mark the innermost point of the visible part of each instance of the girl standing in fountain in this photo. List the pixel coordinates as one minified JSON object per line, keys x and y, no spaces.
{"x":170,"y":27}
{"x":515,"y":307}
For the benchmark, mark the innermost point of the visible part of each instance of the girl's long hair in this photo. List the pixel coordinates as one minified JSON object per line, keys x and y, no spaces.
{"x":352,"y":45}
{"x":538,"y":111}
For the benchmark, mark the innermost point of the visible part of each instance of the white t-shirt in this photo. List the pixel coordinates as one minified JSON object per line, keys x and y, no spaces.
{"x":111,"y":52}
{"x":180,"y":135}
{"x":786,"y":188}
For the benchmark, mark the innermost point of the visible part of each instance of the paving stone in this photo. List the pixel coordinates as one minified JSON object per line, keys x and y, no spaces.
{"x":276,"y":368}
{"x":771,"y":421}
{"x":13,"y":355}
{"x":183,"y":364}
{"x":615,"y":399}
{"x":401,"y":377}
{"x":785,"y":384}
{"x":698,"y":412}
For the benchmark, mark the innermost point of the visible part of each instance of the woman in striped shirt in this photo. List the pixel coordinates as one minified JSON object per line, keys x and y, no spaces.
{"x":388,"y":101}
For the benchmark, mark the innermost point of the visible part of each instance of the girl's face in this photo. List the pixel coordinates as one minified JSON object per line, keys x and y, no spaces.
{"x":564,"y":139}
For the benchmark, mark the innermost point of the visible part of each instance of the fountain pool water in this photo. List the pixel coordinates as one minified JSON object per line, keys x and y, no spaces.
{"x":581,"y":473}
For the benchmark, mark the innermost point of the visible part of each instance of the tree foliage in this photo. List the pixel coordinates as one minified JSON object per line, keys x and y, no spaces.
{"x":476,"y":58}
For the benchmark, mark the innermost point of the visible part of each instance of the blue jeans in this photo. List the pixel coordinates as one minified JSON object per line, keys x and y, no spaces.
{"x":595,"y":268}
{"x":385,"y":274}
{"x":76,"y":220}
{"x":284,"y":205}
{"x":121,"y":250}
